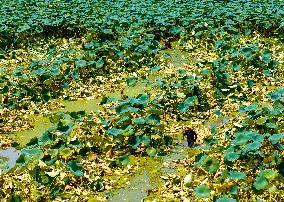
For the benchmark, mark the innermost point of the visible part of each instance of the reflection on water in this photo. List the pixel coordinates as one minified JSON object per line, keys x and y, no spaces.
{"x":8,"y":158}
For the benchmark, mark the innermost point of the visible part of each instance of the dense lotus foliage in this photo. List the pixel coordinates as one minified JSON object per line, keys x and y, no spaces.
{"x":73,"y":49}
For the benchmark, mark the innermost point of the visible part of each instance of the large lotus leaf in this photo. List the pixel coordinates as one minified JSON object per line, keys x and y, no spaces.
{"x":134,"y":142}
{"x":81,"y":63}
{"x":128,"y":131}
{"x":226,"y":199}
{"x":241,"y":139}
{"x":75,"y":168}
{"x":189,"y":102}
{"x":278,"y":94}
{"x":271,"y":125}
{"x":123,"y":120}
{"x":202,"y":191}
{"x":139,"y":121}
{"x":266,"y":55}
{"x":269,"y":174}
{"x":236,"y":175}
{"x":231,"y":154}
{"x":66,"y":152}
{"x":275,"y":138}
{"x":211,"y":165}
{"x":254,"y":146}
{"x":100,"y":63}
{"x":121,"y":109}
{"x":4,"y":90}
{"x":123,"y":160}
{"x":30,"y":155}
{"x":151,"y":152}
{"x":145,"y":140}
{"x":114,"y":131}
{"x":260,"y":183}
{"x":199,"y":159}
{"x":153,"y":119}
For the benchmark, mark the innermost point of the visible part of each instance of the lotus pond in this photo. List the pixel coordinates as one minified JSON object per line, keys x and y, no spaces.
{"x":95,"y":98}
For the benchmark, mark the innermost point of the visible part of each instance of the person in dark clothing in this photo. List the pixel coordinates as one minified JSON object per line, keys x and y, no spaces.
{"x":191,"y":136}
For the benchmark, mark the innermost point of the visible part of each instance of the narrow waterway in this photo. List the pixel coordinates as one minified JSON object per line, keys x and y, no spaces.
{"x":149,"y":177}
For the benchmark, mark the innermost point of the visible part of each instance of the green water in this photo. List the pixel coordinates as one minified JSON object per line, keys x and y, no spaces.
{"x":148,"y":177}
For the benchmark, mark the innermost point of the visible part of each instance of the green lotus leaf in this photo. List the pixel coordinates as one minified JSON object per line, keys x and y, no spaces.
{"x":146,"y":140}
{"x":123,"y":160}
{"x":139,"y":121}
{"x":81,"y":63}
{"x":236,"y":175}
{"x":166,"y":56}
{"x":4,"y":90}
{"x":153,"y":119}
{"x":231,"y":154}
{"x":271,"y":125}
{"x":211,"y":165}
{"x":226,"y":199}
{"x":202,"y":191}
{"x":254,"y":146}
{"x":100,"y":63}
{"x":275,"y":138}
{"x":269,"y":174}
{"x":75,"y":168}
{"x":241,"y":139}
{"x":66,"y":152}
{"x":151,"y":152}
{"x":260,"y":183}
{"x":189,"y":102}
{"x":30,"y":155}
{"x":131,"y":81}
{"x":114,"y":131}
{"x":278,"y":94}
{"x":266,"y":55}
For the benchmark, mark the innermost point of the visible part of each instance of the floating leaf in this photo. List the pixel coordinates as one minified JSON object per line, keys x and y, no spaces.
{"x":269,"y":174}
{"x":260,"y":183}
{"x":151,"y":152}
{"x":66,"y":152}
{"x":241,"y":139}
{"x":100,"y":63}
{"x":153,"y":119}
{"x":254,"y":146}
{"x":278,"y":94}
{"x":226,"y":199}
{"x":81,"y":63}
{"x":75,"y":168}
{"x":131,"y":81}
{"x":202,"y":191}
{"x":235,"y":175}
{"x":123,"y":160}
{"x":211,"y":165}
{"x":275,"y":138}
{"x":139,"y":121}
{"x":4,"y":90}
{"x":114,"y":131}
{"x":266,"y":55}
{"x":189,"y":102}
{"x":231,"y":155}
